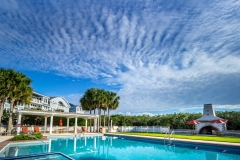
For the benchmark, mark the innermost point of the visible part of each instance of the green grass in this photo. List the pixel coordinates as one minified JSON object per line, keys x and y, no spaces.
{"x":192,"y":137}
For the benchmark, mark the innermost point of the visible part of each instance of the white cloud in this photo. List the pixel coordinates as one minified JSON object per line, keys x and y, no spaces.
{"x":164,"y":56}
{"x":73,"y":98}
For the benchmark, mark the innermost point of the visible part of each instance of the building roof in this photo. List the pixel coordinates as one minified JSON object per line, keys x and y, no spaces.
{"x":58,"y":114}
{"x":40,"y":94}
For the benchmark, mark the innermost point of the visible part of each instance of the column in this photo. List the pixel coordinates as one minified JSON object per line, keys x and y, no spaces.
{"x":51,"y":123}
{"x":111,"y":126}
{"x":19,"y":123}
{"x":98,"y":125}
{"x":45,"y":125}
{"x":86,"y":124}
{"x":67,"y":124}
{"x":75,"y":128}
{"x":94,"y":125}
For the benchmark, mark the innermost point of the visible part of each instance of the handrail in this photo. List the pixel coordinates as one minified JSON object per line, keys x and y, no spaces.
{"x":30,"y":135}
{"x":165,"y":136}
{"x":169,"y":137}
{"x":37,"y":155}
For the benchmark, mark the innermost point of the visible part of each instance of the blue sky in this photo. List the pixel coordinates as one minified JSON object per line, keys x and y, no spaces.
{"x":159,"y":56}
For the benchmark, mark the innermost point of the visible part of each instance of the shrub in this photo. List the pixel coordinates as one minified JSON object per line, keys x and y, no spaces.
{"x":27,"y":137}
{"x":37,"y":135}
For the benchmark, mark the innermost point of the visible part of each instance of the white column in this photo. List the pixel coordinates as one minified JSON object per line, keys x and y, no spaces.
{"x":45,"y":124}
{"x":86,"y":124}
{"x":19,"y":123}
{"x":67,"y":124}
{"x":94,"y":125}
{"x":51,"y":123}
{"x":98,"y":125}
{"x":75,"y":128}
{"x":111,"y":126}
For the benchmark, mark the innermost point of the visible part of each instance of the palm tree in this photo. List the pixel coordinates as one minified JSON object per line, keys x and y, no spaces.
{"x":3,"y":91}
{"x":89,"y":100}
{"x":86,"y":105}
{"x":6,"y":86}
{"x":20,"y":92}
{"x":113,"y":104}
{"x":105,"y":100}
{"x":25,"y":97}
{"x":100,"y":99}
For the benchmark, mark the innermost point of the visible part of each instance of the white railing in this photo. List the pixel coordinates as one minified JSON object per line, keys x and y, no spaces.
{"x":36,"y":101}
{"x":153,"y":129}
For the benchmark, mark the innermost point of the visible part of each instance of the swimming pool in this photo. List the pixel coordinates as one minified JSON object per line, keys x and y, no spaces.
{"x":126,"y":148}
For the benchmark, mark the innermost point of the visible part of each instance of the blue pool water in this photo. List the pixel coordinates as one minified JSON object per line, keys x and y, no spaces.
{"x":126,"y":148}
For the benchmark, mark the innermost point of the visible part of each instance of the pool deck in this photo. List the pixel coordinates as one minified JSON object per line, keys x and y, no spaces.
{"x":4,"y":140}
{"x":179,"y":140}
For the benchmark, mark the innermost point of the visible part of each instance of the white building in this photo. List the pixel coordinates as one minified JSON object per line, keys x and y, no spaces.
{"x":75,"y":109}
{"x":45,"y":103}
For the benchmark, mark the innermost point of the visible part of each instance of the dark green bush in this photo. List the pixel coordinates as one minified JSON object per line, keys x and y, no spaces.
{"x":27,"y":137}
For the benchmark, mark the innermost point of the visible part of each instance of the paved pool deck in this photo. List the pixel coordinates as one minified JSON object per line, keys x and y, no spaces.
{"x":4,"y":140}
{"x":179,"y":140}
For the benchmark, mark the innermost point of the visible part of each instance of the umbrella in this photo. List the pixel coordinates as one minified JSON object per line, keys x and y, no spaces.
{"x":193,"y":122}
{"x":219,"y":121}
{"x":60,"y":122}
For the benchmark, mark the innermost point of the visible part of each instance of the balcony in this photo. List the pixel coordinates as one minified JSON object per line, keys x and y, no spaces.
{"x":36,"y":101}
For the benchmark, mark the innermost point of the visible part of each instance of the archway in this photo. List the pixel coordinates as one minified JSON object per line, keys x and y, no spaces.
{"x":207,"y":130}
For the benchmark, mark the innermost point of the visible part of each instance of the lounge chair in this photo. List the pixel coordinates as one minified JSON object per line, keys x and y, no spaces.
{"x":25,"y":129}
{"x":84,"y":129}
{"x":36,"y":129}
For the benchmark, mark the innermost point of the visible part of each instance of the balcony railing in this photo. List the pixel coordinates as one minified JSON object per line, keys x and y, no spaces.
{"x":36,"y":101}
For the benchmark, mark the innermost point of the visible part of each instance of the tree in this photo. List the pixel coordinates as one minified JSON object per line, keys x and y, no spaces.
{"x":86,"y":104}
{"x":21,"y":92}
{"x":100,"y":99}
{"x":113,"y":103}
{"x":5,"y":87}
{"x":89,"y":101}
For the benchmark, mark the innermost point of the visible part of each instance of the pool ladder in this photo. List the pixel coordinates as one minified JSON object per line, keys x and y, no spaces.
{"x":46,"y":146}
{"x":169,"y":137}
{"x":81,"y":135}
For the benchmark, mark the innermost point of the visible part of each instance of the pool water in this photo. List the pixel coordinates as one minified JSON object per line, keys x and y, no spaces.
{"x":125,"y":148}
